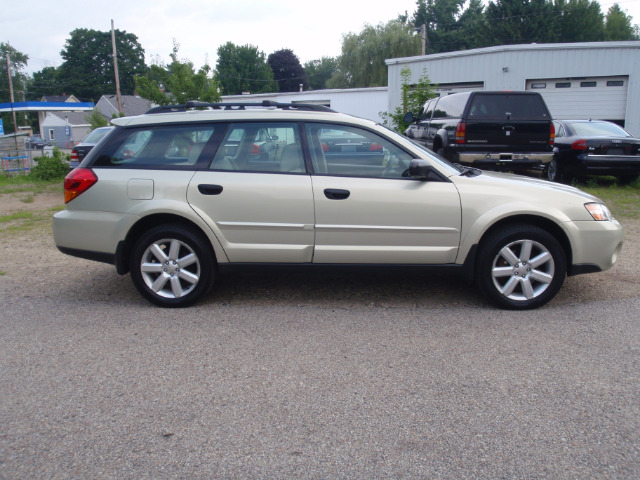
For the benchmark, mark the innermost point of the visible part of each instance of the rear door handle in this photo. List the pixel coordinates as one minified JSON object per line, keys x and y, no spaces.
{"x":336,"y":194}
{"x":210,"y":189}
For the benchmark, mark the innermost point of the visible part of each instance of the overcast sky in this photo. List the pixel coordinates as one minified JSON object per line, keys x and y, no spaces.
{"x":311,"y":28}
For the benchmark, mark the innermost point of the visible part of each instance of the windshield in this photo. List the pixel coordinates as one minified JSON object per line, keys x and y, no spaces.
{"x":97,"y":134}
{"x":454,"y":169}
{"x":593,"y":129}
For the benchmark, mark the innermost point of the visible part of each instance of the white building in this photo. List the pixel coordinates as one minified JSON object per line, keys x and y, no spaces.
{"x":599,"y":80}
{"x":361,"y":102}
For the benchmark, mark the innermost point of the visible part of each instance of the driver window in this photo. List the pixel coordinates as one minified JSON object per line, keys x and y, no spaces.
{"x":340,"y":150}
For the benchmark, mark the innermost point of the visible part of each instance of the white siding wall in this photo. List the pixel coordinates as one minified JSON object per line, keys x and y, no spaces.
{"x":361,"y":102}
{"x":509,"y":67}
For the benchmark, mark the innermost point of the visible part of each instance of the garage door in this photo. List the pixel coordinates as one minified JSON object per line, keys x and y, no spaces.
{"x":603,"y":98}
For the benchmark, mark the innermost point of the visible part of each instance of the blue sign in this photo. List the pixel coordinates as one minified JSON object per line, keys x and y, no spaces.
{"x":1,"y":128}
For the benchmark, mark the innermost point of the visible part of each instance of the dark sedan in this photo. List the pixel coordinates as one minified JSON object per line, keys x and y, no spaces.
{"x":593,"y":147}
{"x":85,"y":146}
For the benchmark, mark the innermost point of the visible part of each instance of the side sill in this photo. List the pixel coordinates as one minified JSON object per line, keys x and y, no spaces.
{"x":583,"y":268}
{"x":89,"y":255}
{"x":223,"y":268}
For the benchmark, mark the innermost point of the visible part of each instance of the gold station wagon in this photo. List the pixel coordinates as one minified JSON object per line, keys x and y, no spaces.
{"x":184,"y":193}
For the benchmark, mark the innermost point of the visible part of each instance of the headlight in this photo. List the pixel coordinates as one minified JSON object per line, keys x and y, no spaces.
{"x":598,"y":211}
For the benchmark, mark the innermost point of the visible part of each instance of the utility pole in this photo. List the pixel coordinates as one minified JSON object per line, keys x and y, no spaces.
{"x":115,"y":67}
{"x":13,"y":112}
{"x":423,"y":32}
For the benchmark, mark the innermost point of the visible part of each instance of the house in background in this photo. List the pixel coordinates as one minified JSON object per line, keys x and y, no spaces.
{"x":66,"y":128}
{"x":59,"y":98}
{"x":131,"y":105}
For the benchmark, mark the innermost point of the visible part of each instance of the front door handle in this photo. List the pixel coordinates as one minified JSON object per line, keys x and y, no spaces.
{"x":210,"y":189}
{"x":336,"y":194}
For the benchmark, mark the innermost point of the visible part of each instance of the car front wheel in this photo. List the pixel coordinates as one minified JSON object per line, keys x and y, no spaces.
{"x":172,"y":265}
{"x":520,"y":267}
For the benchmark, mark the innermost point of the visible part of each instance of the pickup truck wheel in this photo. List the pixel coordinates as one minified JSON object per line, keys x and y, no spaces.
{"x":520,"y":267}
{"x":172,"y":265}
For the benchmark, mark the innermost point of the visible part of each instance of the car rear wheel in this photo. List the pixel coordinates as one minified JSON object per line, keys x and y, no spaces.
{"x":552,"y":171}
{"x":520,"y":267}
{"x":172,"y":265}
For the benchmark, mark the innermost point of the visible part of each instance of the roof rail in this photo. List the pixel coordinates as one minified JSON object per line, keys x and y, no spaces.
{"x":192,"y":104}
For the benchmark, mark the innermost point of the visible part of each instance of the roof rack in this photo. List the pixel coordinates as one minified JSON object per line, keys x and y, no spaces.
{"x":193,"y":104}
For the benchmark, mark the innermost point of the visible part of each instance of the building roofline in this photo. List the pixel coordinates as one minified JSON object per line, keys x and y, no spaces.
{"x":304,"y":93}
{"x":46,"y":106}
{"x":632,"y":44}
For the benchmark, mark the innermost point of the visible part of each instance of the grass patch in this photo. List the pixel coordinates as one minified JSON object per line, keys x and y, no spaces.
{"x":23,"y":183}
{"x":16,"y":216}
{"x":623,"y":200}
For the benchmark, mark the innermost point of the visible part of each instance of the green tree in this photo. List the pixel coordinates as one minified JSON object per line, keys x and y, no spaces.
{"x":287,"y":70}
{"x":178,"y":82}
{"x":45,"y":82}
{"x":579,"y":21}
{"x":618,"y":25}
{"x":19,"y":80}
{"x":444,"y":32}
{"x":319,"y":71}
{"x":87,"y":70}
{"x":362,"y":62}
{"x":414,"y":96}
{"x":243,"y":69}
{"x":96,"y":119}
{"x":520,"y":21}
{"x":472,"y":24}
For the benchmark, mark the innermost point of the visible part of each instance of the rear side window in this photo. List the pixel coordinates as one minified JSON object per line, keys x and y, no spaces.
{"x":516,"y":107}
{"x":451,"y":106}
{"x":261,"y":147}
{"x":159,"y":146}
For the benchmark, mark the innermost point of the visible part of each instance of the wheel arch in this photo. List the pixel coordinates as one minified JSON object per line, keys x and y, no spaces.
{"x":125,"y":247}
{"x":546,"y":224}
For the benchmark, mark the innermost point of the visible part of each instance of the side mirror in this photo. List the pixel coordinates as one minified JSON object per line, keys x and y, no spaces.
{"x":409,"y":118}
{"x":420,"y":169}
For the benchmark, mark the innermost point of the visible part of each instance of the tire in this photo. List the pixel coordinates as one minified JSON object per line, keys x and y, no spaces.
{"x":520,"y":267}
{"x":172,"y":265}
{"x":553,"y":172}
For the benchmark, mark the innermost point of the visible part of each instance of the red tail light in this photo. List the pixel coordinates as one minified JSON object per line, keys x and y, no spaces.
{"x":375,"y":147}
{"x":552,"y":135}
{"x":325,"y":147}
{"x":461,"y":131}
{"x":579,"y":145}
{"x":74,"y":155}
{"x":255,"y":149}
{"x":77,"y":182}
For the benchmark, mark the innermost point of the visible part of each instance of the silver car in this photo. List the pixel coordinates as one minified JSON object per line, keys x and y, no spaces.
{"x":180,"y":195}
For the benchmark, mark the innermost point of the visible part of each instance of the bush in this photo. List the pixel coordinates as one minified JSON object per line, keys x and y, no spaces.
{"x":52,"y":167}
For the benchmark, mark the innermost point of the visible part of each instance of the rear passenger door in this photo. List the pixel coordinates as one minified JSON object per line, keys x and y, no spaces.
{"x":256,"y":195}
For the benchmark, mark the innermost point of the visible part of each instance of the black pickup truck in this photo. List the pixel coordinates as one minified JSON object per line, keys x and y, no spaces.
{"x":491,"y":130}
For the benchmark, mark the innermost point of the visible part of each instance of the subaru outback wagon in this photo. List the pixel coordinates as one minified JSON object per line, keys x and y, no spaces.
{"x":184,"y":193}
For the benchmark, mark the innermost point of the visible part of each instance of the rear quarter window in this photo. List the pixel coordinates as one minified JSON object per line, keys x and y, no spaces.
{"x":160,"y":146}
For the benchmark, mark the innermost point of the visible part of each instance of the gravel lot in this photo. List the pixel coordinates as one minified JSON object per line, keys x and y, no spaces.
{"x":311,"y":376}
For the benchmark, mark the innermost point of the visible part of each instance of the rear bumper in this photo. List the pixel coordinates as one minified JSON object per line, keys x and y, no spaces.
{"x":610,"y":164}
{"x":505,"y":158}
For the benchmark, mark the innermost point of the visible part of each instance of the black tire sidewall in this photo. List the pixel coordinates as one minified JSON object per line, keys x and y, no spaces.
{"x":196,"y":242}
{"x":491,"y":246}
